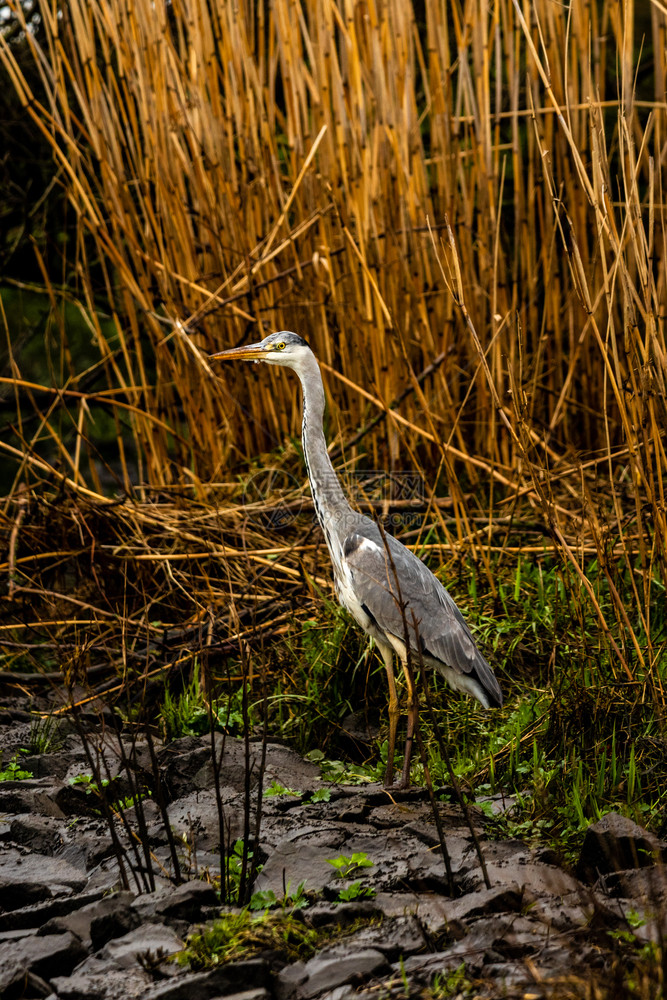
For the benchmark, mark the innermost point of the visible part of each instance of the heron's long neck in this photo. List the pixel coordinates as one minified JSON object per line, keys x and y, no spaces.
{"x":330,"y":502}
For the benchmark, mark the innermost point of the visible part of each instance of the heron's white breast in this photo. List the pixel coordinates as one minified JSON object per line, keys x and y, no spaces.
{"x":348,"y":598}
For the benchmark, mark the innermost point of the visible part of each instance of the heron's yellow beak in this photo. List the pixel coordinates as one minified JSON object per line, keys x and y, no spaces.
{"x":253,"y":352}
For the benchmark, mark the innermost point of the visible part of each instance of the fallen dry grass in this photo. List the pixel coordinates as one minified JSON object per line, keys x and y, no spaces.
{"x":461,"y":207}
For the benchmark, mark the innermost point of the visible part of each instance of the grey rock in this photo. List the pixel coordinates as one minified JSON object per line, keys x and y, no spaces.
{"x":623,"y":897}
{"x":17,"y":895}
{"x":512,"y":863}
{"x":154,"y":938}
{"x":16,"y":934}
{"x":482,"y":944}
{"x":221,"y":981}
{"x":189,"y":766}
{"x":115,"y":971}
{"x":186,"y":901}
{"x":400,"y":862}
{"x":35,"y":796}
{"x":192,"y":866}
{"x":152,"y":817}
{"x":401,"y":936}
{"x":44,"y":834}
{"x":497,"y":899}
{"x":111,"y":757}
{"x":79,"y":921}
{"x":27,"y":878}
{"x":641,"y":884}
{"x":183,"y":902}
{"x":416,"y":818}
{"x":282,"y":765}
{"x":259,"y":993}
{"x":347,"y":993}
{"x":430,"y":908}
{"x":56,"y":765}
{"x":423,"y":968}
{"x":181,"y":760}
{"x":105,"y":984}
{"x":616,"y":843}
{"x":289,"y":770}
{"x":289,"y":979}
{"x":328,"y":970}
{"x":114,"y":922}
{"x":40,"y":913}
{"x":536,"y":876}
{"x":43,"y":956}
{"x":77,"y":800}
{"x":303,"y":856}
{"x":87,"y":850}
{"x":195,"y":816}
{"x":147,"y":904}
{"x":405,"y":860}
{"x":422,"y":870}
{"x":536,"y":914}
{"x":514,"y":937}
{"x":107,"y":876}
{"x":497,"y":804}
{"x":28,"y":985}
{"x":342,"y":915}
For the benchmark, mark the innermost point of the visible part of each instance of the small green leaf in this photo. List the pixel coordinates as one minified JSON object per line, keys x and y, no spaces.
{"x":263,"y":900}
{"x":355,"y":891}
{"x":277,"y":789}
{"x":321,"y":795}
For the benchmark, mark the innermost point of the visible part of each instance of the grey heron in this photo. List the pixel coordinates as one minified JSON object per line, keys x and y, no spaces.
{"x":386,"y":588}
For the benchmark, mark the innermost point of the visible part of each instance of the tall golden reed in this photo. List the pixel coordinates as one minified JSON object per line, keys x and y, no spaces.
{"x":460,"y":205}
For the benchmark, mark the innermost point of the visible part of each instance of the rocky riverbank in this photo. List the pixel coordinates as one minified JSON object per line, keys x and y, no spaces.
{"x":69,"y":929}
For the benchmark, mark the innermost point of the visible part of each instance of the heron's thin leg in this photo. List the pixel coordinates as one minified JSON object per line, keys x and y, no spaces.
{"x":388,"y":657}
{"x":413,"y":719}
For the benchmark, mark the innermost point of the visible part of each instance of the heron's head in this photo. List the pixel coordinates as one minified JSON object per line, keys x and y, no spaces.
{"x":284,"y":348}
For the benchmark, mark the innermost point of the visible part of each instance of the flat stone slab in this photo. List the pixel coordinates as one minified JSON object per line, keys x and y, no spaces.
{"x":115,"y":972}
{"x":403,"y":935}
{"x":35,"y":796}
{"x":196,"y":816}
{"x":124,"y":951}
{"x":44,"y":834}
{"x":327,"y":971}
{"x":106,"y":984}
{"x":29,"y":878}
{"x":399,"y":862}
{"x":614,"y":844}
{"x":233,"y":978}
{"x":44,"y":956}
{"x":181,"y":902}
{"x":646,"y":885}
{"x":429,"y":907}
{"x":39,"y":913}
{"x":303,"y":857}
{"x":95,"y":923}
{"x":513,"y":863}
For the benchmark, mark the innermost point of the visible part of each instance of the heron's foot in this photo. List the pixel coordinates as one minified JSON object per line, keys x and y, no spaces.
{"x":404,"y":780}
{"x":396,"y":786}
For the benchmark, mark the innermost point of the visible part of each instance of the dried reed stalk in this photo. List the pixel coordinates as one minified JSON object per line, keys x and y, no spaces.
{"x":237,"y":168}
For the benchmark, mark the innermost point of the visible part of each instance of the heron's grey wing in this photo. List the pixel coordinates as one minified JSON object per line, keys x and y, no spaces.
{"x":385,"y":576}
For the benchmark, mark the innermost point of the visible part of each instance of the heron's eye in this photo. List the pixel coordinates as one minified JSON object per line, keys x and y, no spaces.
{"x":280,"y":346}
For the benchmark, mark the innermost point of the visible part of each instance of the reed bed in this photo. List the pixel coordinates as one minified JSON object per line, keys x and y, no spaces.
{"x":460,"y":206}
